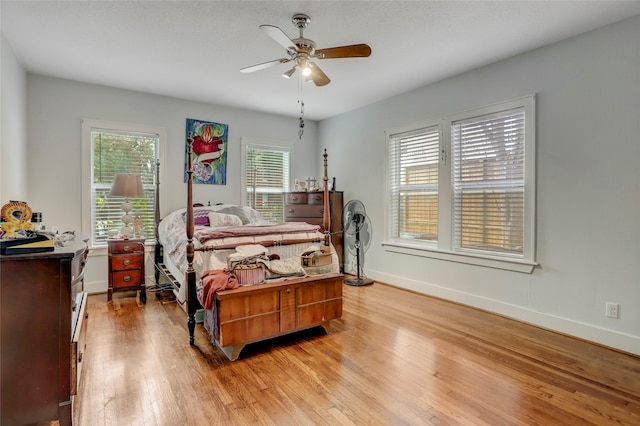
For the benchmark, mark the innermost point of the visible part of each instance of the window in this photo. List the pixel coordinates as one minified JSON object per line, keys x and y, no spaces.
{"x":266,"y":177}
{"x":414,"y":161}
{"x":108,"y":149}
{"x":488,"y":182}
{"x":465,"y":185}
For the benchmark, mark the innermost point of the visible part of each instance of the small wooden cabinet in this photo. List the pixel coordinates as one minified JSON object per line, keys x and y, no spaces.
{"x":309,"y":207}
{"x":43,"y":322}
{"x":126,"y":267}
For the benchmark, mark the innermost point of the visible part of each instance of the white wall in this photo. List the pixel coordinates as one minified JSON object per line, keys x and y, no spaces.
{"x":13,"y":125}
{"x":56,"y":108}
{"x":588,"y":193}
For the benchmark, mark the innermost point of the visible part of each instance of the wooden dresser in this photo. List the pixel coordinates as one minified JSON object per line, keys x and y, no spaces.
{"x":126,"y":266}
{"x":262,"y":311}
{"x":43,"y":310}
{"x":308,"y":207}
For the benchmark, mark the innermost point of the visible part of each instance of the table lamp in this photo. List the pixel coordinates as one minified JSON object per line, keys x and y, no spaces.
{"x":127,"y":185}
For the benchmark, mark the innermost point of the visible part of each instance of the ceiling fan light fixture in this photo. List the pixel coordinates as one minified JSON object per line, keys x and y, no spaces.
{"x":306,"y":71}
{"x":289,"y":73}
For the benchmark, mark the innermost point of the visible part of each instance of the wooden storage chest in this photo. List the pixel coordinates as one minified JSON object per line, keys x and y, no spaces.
{"x":249,"y":314}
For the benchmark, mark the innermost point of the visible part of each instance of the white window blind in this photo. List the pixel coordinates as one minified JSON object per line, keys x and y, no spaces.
{"x":114,"y":151}
{"x":413,"y":160}
{"x":462,"y":188}
{"x":488,"y":183}
{"x":267,"y":177}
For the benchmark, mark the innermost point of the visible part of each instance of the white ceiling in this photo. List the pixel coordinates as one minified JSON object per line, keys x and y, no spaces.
{"x":194,"y":50}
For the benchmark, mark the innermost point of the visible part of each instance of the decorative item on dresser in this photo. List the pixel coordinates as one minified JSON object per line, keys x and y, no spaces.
{"x":126,"y":266}
{"x":308,"y":207}
{"x":43,"y":311}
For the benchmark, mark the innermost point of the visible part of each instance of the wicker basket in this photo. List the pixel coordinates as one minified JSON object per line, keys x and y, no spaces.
{"x":249,"y":274}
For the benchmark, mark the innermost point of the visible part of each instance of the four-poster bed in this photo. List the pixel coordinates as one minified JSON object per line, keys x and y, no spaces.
{"x":235,"y":313}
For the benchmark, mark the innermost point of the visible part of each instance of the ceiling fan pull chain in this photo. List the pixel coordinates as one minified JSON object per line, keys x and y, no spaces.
{"x":301,"y":102}
{"x":301,"y":121}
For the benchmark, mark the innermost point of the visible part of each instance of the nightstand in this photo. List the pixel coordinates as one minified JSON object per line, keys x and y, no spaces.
{"x":126,"y":266}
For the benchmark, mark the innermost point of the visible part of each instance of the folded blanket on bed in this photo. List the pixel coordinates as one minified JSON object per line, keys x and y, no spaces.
{"x":205,"y":233}
{"x":279,"y":268}
{"x":246,"y":255}
{"x":214,"y":280}
{"x":256,"y":255}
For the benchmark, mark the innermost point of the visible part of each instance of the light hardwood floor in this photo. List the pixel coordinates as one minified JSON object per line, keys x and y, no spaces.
{"x":394,"y":358}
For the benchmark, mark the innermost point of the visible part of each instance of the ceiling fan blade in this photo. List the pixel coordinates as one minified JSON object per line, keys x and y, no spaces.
{"x":279,"y":36}
{"x":264,"y":65}
{"x":353,"y":51}
{"x":318,"y":77}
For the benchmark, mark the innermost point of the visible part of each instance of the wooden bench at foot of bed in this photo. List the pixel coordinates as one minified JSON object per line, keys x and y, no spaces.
{"x":254,"y":313}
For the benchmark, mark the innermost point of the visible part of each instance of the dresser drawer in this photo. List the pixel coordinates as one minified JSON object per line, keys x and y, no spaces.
{"x":296,"y":198}
{"x":78,"y":344}
{"x":315,"y":198}
{"x":306,"y":210}
{"x":77,"y":265}
{"x":126,"y":261}
{"x":123,"y":279}
{"x":123,"y":247}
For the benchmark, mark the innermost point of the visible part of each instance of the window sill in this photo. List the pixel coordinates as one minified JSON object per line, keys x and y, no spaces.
{"x":433,"y":253}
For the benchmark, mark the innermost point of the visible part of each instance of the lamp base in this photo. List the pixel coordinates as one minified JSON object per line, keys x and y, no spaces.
{"x":126,"y":231}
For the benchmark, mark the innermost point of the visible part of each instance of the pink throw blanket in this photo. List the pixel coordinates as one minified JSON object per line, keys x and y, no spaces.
{"x":214,"y":280}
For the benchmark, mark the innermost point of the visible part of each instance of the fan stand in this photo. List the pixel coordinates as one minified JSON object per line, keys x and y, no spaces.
{"x":358,"y":280}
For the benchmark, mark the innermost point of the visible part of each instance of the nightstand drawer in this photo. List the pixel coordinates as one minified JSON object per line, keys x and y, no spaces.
{"x":124,"y":246}
{"x":122,"y":262}
{"x":130,"y":278}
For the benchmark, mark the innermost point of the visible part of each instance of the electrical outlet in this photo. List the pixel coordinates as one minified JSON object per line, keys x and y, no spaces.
{"x":612,"y":310}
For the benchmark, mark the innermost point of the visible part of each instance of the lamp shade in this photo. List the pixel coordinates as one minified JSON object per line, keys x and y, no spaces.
{"x":127,"y":185}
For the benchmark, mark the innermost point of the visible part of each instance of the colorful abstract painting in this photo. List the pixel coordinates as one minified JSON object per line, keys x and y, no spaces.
{"x":209,"y":154}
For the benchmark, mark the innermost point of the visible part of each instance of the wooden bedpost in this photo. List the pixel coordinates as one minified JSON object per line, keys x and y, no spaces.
{"x":190,"y":274}
{"x":326,"y":212}
{"x":157,"y":196}
{"x":158,"y":254}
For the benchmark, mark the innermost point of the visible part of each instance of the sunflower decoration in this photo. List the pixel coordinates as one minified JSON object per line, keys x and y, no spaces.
{"x":16,"y":216}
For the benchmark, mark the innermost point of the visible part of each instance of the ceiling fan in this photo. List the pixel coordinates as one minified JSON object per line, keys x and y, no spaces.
{"x":302,"y":50}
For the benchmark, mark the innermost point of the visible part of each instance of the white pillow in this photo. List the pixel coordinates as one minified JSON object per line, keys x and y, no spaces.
{"x":223,"y":219}
{"x":254,"y":216}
